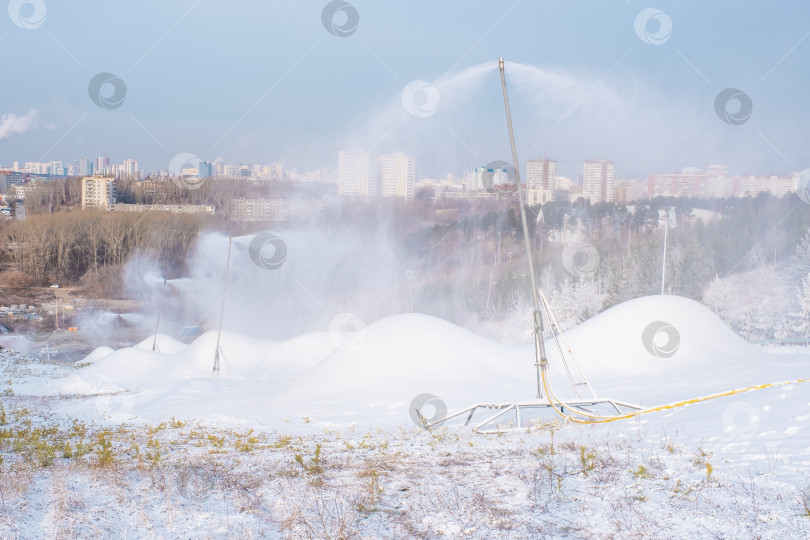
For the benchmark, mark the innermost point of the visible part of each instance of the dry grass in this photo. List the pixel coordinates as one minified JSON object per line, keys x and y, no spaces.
{"x":203,"y":482}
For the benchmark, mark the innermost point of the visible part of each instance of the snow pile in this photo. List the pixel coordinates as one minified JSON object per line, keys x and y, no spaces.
{"x":650,"y":350}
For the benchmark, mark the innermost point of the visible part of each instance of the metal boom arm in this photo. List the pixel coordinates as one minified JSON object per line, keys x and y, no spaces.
{"x":541,"y":362}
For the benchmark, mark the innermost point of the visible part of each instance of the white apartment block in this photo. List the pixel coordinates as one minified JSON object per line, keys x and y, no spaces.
{"x":541,"y":174}
{"x":19,"y":192}
{"x":358,"y":173}
{"x":173,"y":208}
{"x":597,"y":180}
{"x":98,"y":192}
{"x":365,"y":174}
{"x":626,"y":190}
{"x":130,"y":168}
{"x":535,"y":196}
{"x":397,"y":175}
{"x":485,"y":178}
{"x":563,"y":183}
{"x":260,"y":210}
{"x":717,"y":183}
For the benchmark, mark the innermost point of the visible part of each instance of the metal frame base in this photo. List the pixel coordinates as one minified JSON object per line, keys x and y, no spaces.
{"x":506,"y":408}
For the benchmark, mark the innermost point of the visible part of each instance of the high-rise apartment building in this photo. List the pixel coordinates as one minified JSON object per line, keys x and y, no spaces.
{"x":85,"y":167}
{"x":365,"y":174}
{"x":98,"y":193}
{"x":358,"y":173}
{"x":597,"y":180}
{"x":130,"y":168}
{"x":626,"y":190}
{"x":397,"y":175}
{"x":540,"y":174}
{"x":486,"y":178}
{"x":205,"y":169}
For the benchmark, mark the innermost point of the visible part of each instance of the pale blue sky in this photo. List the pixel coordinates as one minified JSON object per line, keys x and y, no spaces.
{"x":257,"y":82}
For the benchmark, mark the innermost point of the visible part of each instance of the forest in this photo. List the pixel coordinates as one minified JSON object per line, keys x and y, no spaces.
{"x":588,"y":257}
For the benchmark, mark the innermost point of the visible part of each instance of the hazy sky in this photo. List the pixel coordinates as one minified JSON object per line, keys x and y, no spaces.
{"x":258,"y":82}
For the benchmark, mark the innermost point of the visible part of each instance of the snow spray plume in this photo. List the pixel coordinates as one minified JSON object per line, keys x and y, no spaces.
{"x":433,"y":122}
{"x":144,"y":282}
{"x":336,"y":277}
{"x":456,"y":121}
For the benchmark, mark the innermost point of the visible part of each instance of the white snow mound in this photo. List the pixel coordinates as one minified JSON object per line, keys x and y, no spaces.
{"x":650,"y":350}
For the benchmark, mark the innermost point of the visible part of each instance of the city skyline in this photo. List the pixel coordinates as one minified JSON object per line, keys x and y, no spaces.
{"x":269,"y":90}
{"x":541,"y":169}
{"x":371,"y":175}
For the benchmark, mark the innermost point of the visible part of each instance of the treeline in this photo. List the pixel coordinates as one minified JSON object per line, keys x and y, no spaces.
{"x":482,"y":256}
{"x":75,"y":247}
{"x":56,"y":195}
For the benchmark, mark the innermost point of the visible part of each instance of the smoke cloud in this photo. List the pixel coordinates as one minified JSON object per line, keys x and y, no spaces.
{"x":11,"y":124}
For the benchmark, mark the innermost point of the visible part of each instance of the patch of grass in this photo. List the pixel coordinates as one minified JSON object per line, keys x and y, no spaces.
{"x":701,"y":461}
{"x":805,"y":503}
{"x":104,"y":448}
{"x":373,"y":492}
{"x":246,"y":442}
{"x":587,"y":459}
{"x":642,"y":473}
{"x":217,"y":442}
{"x":21,"y":414}
{"x":153,"y":449}
{"x":314,"y":464}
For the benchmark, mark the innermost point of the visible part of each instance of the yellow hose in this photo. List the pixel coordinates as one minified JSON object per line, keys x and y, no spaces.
{"x":597,"y":419}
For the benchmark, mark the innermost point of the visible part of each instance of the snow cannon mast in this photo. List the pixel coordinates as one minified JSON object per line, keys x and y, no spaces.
{"x":578,"y":409}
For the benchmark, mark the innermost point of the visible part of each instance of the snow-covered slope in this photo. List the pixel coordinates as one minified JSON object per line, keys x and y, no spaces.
{"x":650,"y":350}
{"x":743,"y":455}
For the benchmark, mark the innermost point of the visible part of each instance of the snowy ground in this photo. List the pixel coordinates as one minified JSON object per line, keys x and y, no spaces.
{"x":312,"y":438}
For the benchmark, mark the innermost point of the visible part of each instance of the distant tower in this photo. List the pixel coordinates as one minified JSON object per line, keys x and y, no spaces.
{"x":358,"y":173}
{"x":397,"y":175}
{"x":540,"y":173}
{"x":597,"y":180}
